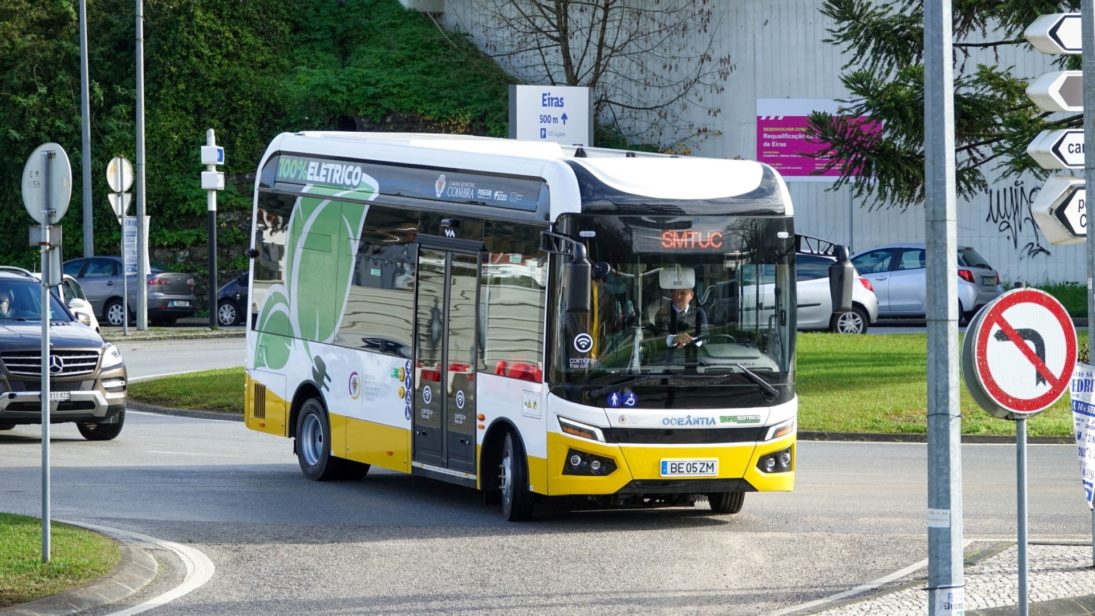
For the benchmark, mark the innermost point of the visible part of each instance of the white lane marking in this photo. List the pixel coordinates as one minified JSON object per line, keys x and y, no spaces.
{"x":199,"y":569}
{"x":149,"y":377}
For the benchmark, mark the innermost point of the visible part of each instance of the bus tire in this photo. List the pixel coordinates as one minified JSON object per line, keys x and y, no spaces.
{"x":726,"y":502}
{"x":513,"y":480}
{"x":314,"y":443}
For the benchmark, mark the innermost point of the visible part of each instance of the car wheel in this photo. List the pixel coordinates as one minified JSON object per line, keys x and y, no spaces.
{"x":513,"y":479}
{"x":114,"y":314}
{"x":855,"y":321}
{"x":726,"y":502}
{"x":227,"y":313}
{"x":964,"y":316}
{"x":93,"y":431}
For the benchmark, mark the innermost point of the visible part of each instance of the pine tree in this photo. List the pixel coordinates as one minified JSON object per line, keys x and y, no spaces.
{"x":883,"y":161}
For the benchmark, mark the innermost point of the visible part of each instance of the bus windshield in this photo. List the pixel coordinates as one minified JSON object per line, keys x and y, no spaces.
{"x":702,"y":297}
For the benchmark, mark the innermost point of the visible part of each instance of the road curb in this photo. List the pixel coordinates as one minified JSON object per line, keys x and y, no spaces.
{"x":135,"y":570}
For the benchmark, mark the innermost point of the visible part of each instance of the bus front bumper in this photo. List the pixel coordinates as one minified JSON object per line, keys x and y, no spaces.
{"x":666,"y":469}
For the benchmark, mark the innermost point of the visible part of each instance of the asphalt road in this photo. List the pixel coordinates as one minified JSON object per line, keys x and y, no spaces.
{"x":398,"y":544}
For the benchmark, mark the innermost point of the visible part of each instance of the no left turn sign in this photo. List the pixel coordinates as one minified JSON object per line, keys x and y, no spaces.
{"x":1019,"y":352}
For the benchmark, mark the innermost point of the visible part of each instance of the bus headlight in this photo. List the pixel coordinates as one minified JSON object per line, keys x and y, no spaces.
{"x":581,"y":430}
{"x":582,"y":463}
{"x":776,"y":462}
{"x":780,"y":429}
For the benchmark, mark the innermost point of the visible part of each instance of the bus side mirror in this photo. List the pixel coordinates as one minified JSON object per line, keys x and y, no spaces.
{"x":579,"y":274}
{"x":841,"y":278}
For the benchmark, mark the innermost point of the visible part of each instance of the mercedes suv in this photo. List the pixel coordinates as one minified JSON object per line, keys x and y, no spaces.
{"x":87,"y":376}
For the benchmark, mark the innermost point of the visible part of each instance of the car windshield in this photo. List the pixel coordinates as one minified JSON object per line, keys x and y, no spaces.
{"x":22,"y":301}
{"x":732,"y":273}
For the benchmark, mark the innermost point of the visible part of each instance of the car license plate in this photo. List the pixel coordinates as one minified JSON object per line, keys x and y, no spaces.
{"x":690,"y":468}
{"x":60,"y":396}
{"x":180,"y":303}
{"x":988,"y":281}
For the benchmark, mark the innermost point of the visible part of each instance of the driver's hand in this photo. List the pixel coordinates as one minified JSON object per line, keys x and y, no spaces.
{"x":682,"y":340}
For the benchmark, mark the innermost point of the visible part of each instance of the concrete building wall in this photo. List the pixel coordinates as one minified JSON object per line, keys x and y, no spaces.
{"x":779,"y":52}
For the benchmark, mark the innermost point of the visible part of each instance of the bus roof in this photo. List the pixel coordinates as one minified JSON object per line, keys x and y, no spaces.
{"x":580,"y":179}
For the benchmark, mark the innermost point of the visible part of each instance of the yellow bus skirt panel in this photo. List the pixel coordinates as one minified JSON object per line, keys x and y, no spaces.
{"x":736,"y":461}
{"x":372,"y":443}
{"x":263,"y":410}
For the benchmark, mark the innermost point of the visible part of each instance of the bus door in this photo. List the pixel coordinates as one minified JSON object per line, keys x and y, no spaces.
{"x":445,"y":359}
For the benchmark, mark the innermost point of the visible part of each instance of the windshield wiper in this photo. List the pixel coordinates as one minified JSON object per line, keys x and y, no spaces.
{"x":759,"y":380}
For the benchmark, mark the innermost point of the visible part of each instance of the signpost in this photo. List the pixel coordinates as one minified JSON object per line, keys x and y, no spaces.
{"x":563,"y":114}
{"x":212,"y":155}
{"x":47,"y":188}
{"x":1057,"y":33}
{"x":1017,"y":360}
{"x":1058,"y":149}
{"x":119,"y":176}
{"x":1058,"y":91}
{"x":1060,"y":210}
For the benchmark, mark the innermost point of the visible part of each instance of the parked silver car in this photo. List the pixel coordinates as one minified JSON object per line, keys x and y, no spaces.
{"x":815,"y":304}
{"x":898,"y":274}
{"x":170,"y":294}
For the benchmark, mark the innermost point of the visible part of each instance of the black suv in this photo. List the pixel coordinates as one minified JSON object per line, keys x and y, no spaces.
{"x":87,"y":375}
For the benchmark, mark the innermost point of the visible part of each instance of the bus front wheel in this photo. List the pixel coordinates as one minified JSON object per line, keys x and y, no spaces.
{"x":726,"y":502}
{"x":513,"y":480}
{"x":314,"y":447}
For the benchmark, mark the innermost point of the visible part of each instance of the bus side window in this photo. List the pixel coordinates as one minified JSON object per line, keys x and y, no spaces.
{"x":379,"y":314}
{"x":512,"y":300}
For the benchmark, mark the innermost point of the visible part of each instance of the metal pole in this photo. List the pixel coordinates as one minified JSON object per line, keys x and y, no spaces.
{"x":85,"y":150}
{"x":212,"y":206}
{"x":1087,"y":33}
{"x":125,"y":261}
{"x":43,"y":394}
{"x":1021,"y":510}
{"x":946,"y":592}
{"x":142,"y":250}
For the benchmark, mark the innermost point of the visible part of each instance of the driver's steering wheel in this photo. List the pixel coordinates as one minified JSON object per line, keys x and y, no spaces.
{"x":706,"y":337}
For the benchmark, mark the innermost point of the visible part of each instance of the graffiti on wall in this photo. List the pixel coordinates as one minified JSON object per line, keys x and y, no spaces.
{"x":1009,"y":210}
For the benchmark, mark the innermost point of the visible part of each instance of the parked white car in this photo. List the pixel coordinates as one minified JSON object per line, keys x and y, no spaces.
{"x":815,"y":304}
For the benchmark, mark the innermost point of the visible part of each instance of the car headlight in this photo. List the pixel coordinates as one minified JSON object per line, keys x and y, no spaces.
{"x":112,"y":357}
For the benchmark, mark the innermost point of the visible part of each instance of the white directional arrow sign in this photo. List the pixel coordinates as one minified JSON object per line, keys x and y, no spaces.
{"x":1058,"y":91}
{"x":1058,"y":33}
{"x":1059,"y":210}
{"x":1058,"y":149}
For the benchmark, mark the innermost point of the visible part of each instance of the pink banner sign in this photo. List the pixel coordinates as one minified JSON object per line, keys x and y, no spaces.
{"x":783,"y":141}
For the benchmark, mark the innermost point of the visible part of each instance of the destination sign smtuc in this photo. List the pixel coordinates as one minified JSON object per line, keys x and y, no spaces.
{"x":692,"y":240}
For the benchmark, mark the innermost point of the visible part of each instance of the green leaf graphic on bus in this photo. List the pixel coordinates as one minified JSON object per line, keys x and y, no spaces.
{"x":275,"y":331}
{"x":323,"y":235}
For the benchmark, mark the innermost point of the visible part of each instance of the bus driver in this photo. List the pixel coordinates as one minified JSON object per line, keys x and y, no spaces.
{"x":684,"y":321}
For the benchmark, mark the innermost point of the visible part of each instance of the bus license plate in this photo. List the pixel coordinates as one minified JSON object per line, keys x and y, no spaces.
{"x":690,"y":468}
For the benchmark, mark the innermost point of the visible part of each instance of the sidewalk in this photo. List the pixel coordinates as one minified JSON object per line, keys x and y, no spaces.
{"x":1060,"y":581}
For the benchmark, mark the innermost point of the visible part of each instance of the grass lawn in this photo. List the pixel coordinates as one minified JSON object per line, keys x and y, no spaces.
{"x":875,"y":384}
{"x":77,"y":557}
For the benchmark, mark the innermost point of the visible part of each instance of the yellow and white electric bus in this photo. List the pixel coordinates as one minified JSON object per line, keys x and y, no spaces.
{"x":497,"y":314}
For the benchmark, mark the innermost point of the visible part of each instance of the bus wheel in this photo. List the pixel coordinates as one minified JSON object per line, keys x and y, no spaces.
{"x":314,"y":443}
{"x":726,"y":502}
{"x":513,"y":478}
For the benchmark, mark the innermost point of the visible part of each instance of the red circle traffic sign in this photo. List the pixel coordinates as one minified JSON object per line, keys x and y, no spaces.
{"x":1023,"y":353}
